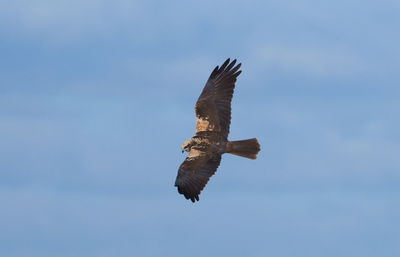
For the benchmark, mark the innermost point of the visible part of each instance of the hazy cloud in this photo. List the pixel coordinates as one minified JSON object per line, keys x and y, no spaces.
{"x":96,"y":98}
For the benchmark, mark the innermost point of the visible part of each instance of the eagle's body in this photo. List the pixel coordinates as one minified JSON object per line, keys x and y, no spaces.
{"x":213,"y":117}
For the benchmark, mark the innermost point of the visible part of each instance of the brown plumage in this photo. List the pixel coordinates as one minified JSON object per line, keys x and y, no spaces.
{"x":213,"y":119}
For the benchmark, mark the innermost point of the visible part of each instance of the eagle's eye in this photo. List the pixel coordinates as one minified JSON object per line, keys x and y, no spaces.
{"x":186,"y":148}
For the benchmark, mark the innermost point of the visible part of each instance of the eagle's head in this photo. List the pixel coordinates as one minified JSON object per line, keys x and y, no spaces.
{"x":187,"y":145}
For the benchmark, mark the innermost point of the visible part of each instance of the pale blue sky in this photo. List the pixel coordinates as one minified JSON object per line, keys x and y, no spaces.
{"x":96,"y":98}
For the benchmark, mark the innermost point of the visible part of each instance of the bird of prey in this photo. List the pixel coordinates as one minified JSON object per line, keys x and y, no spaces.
{"x":213,"y":118}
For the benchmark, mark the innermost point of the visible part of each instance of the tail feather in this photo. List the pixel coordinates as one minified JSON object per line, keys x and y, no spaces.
{"x":248,"y":148}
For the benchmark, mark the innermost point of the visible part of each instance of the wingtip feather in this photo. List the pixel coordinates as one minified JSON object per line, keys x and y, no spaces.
{"x":223,"y":66}
{"x":230,"y":66}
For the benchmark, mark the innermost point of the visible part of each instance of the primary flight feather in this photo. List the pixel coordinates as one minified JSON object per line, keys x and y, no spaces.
{"x":213,"y":119}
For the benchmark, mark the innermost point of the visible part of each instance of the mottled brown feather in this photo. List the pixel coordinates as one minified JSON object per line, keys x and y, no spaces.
{"x":213,"y":108}
{"x":213,"y":118}
{"x":194,"y":173}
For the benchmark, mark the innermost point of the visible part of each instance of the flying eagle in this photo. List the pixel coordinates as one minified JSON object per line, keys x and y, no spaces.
{"x":213,"y":118}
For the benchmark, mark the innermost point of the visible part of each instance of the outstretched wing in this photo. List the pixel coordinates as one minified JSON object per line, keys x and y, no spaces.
{"x":213,"y":108}
{"x":194,"y":173}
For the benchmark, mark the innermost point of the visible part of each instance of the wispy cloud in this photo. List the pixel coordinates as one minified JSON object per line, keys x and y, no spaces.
{"x":97,"y":96}
{"x":327,"y":61}
{"x":69,"y":20}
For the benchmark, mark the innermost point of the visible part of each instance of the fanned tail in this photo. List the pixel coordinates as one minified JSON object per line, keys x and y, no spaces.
{"x":248,"y":148}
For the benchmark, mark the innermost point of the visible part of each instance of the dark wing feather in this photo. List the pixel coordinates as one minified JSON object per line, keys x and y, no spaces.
{"x":213,"y":108}
{"x":194,"y":173}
